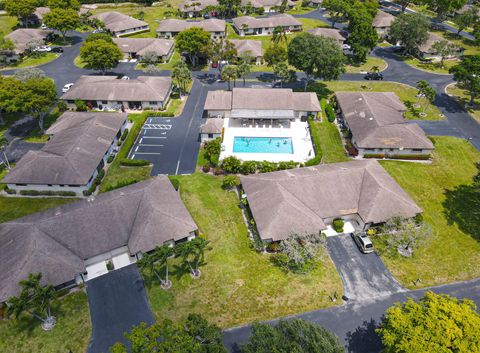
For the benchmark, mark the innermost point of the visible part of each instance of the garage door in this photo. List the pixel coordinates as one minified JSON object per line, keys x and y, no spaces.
{"x":96,"y":269}
{"x":121,"y":260}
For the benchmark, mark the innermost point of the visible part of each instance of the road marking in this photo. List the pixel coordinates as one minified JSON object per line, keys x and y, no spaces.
{"x":148,"y":153}
{"x":152,"y":145}
{"x":141,"y":140}
{"x":136,"y":149}
{"x":157,"y":127}
{"x":178,"y":165}
{"x":155,"y":137}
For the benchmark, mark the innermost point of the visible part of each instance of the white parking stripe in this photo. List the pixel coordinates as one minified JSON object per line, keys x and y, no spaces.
{"x":152,"y":145}
{"x":154,"y":137}
{"x":136,"y":149}
{"x":147,"y":153}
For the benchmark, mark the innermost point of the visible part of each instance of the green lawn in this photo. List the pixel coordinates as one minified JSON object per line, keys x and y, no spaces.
{"x":407,"y":94}
{"x":237,"y":285}
{"x":453,"y":252}
{"x":330,"y":142}
{"x":72,"y":331}
{"x":118,"y":175}
{"x":371,"y":62}
{"x":463,"y":96}
{"x":471,"y":48}
{"x":433,"y":67}
{"x":33,"y":61}
{"x":7,"y":24}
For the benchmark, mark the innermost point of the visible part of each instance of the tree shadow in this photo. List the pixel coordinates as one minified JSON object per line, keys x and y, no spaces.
{"x":320,"y":89}
{"x":364,"y":339}
{"x":461,"y":206}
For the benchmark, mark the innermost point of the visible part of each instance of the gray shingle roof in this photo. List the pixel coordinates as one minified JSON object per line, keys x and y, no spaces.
{"x":140,"y":46}
{"x":22,"y":36}
{"x":79,"y":142}
{"x":56,"y":242}
{"x":117,"y":21}
{"x":266,"y":22}
{"x":212,"y":126}
{"x":383,"y":19}
{"x":431,"y":40}
{"x":109,"y":88}
{"x":376,"y":121}
{"x":299,"y":200}
{"x":174,"y":25}
{"x":252,"y":47}
{"x":327,"y":32}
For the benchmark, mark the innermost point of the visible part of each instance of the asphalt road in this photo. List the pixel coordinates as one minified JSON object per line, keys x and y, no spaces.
{"x":117,"y":302}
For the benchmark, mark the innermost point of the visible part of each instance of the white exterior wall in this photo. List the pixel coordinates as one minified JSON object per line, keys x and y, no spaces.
{"x":219,"y":113}
{"x":131,"y":30}
{"x":396,"y":151}
{"x":266,"y":31}
{"x":169,"y":35}
{"x":204,"y":137}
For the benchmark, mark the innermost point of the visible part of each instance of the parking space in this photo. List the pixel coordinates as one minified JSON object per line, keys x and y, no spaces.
{"x":364,"y":276}
{"x":152,"y":139}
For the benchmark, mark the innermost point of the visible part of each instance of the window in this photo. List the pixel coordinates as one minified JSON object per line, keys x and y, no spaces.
{"x":70,"y":102}
{"x":417,"y":150}
{"x":152,"y":103}
{"x":119,"y":102}
{"x":210,"y":136}
{"x":104,"y":102}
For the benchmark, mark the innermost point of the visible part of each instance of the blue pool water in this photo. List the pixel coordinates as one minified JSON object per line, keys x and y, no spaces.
{"x":262,"y":145}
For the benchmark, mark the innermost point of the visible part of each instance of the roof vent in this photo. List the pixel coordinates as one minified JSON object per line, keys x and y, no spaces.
{"x":370,"y":118}
{"x":362,"y":115}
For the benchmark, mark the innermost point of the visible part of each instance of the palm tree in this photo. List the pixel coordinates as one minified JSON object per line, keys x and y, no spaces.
{"x":229,"y":73}
{"x":243,"y":70}
{"x":147,"y":262}
{"x":34,"y":299}
{"x":279,"y":35}
{"x":199,"y":245}
{"x":192,"y":253}
{"x":162,"y":253}
{"x":181,"y":76}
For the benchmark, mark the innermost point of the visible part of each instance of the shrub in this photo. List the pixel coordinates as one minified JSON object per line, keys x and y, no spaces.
{"x":134,"y":162}
{"x":266,"y":167}
{"x":286,"y":165}
{"x":80,"y":106}
{"x":330,"y":113}
{"x":121,"y":184}
{"x":47,"y":193}
{"x":231,"y":164}
{"x":124,"y":135}
{"x":280,"y":260}
{"x":420,"y":157}
{"x":374,"y":155}
{"x":314,"y":161}
{"x":338,"y":225}
{"x":119,"y":142}
{"x":273,"y":247}
{"x":10,"y":191}
{"x":62,"y":106}
{"x":212,"y":151}
{"x":230,"y":182}
{"x":248,"y":167}
{"x":175,"y":183}
{"x":206,"y":168}
{"x":110,"y":158}
{"x":87,"y":192}
{"x":217,"y":171}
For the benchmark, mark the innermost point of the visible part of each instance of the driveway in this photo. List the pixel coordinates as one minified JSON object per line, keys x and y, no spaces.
{"x":364,"y":276}
{"x":117,"y":302}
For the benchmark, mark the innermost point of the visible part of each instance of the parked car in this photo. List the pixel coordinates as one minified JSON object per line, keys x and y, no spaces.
{"x":206,"y":16}
{"x":375,"y":76}
{"x":43,"y":49}
{"x":346,"y":46}
{"x":214,"y":65}
{"x":67,"y":87}
{"x":98,"y":30}
{"x":43,"y":26}
{"x":363,"y":242}
{"x":57,"y":50}
{"x":125,"y":78}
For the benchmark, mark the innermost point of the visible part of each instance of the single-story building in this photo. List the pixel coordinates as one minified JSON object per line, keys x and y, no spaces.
{"x":249,"y":47}
{"x":271,"y":5}
{"x":315,"y":3}
{"x":329,"y":33}
{"x":170,"y":27}
{"x":120,"y":24}
{"x":305,"y":201}
{"x":427,"y":52}
{"x":378,"y":127}
{"x":192,"y":8}
{"x":247,"y":25}
{"x":79,"y":241}
{"x":21,"y":38}
{"x":79,"y":146}
{"x":135,"y":48}
{"x":211,"y":129}
{"x":382,"y":23}
{"x":36,"y":18}
{"x":112,"y":93}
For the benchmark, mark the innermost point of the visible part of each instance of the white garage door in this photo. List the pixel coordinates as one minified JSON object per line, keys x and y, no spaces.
{"x":121,"y":260}
{"x":96,"y":269}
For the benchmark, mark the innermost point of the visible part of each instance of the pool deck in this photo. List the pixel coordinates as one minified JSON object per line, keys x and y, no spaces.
{"x":298,"y":132}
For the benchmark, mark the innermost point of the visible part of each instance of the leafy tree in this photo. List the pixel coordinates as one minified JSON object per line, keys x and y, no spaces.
{"x":212,"y":150}
{"x":192,"y":254}
{"x":316,"y":56}
{"x":411,"y":30}
{"x":38,"y":96}
{"x":296,"y":335}
{"x":100,"y":55}
{"x":467,"y":74}
{"x":337,"y":10}
{"x":21,"y":9}
{"x":195,"y":335}
{"x":162,"y":254}
{"x":466,"y":19}
{"x":64,"y":4}
{"x":231,"y":164}
{"x":221,"y":50}
{"x":96,"y":36}
{"x":404,"y":4}
{"x":229,"y":73}
{"x":444,"y":49}
{"x":243,"y":70}
{"x":148,"y":263}
{"x":275,"y":54}
{"x":11,"y":95}
{"x":193,"y":42}
{"x":437,"y":323}
{"x":32,"y":45}
{"x":279,"y":35}
{"x":62,"y":20}
{"x":34,"y":299}
{"x":444,"y":7}
{"x":150,"y":58}
{"x":230,"y":7}
{"x":29,"y":73}
{"x":181,"y":76}
{"x":284,"y":73}
{"x":363,"y":37}
{"x":6,"y":44}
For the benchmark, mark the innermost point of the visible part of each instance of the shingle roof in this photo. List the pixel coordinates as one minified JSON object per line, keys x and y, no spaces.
{"x":327,"y":32}
{"x":252,"y":47}
{"x":109,"y":88}
{"x":117,"y":21}
{"x":174,"y":25}
{"x":383,"y":19}
{"x":298,"y":201}
{"x":79,"y":142}
{"x":212,"y":126}
{"x":40,"y":12}
{"x":266,"y":22}
{"x":57,"y":241}
{"x":140,"y":46}
{"x":376,"y":121}
{"x":218,"y":100}
{"x":199,"y":5}
{"x":22,"y":36}
{"x":431,"y":40}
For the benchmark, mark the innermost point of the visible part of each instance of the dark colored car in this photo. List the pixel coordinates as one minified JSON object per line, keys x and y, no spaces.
{"x":215,"y":65}
{"x":57,"y":50}
{"x":374,"y":76}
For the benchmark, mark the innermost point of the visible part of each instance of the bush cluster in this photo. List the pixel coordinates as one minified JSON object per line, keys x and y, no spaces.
{"x":110,"y":158}
{"x":338,"y":225}
{"x":121,"y":184}
{"x":230,"y":182}
{"x":374,"y":155}
{"x":175,"y":183}
{"x":234,"y":165}
{"x":10,"y":191}
{"x":422,"y":157}
{"x":124,"y":135}
{"x":46,"y":193}
{"x":212,"y":151}
{"x":330,"y":113}
{"x":98,"y":179}
{"x":134,"y":162}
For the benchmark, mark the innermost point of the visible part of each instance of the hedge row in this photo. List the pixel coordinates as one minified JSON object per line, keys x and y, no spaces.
{"x":422,"y":157}
{"x":46,"y":193}
{"x":316,"y":144}
{"x":96,"y":182}
{"x":121,"y":184}
{"x":134,"y":162}
{"x":234,"y":165}
{"x":124,"y":135}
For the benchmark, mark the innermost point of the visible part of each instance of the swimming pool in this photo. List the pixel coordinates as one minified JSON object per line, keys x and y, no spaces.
{"x":262,"y":145}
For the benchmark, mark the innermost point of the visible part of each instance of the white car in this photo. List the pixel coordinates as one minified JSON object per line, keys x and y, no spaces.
{"x":43,"y":49}
{"x":346,"y":46}
{"x":67,"y":87}
{"x":43,"y":26}
{"x":125,"y":78}
{"x":363,"y":242}
{"x":98,"y":30}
